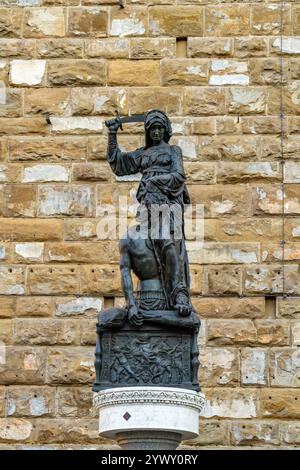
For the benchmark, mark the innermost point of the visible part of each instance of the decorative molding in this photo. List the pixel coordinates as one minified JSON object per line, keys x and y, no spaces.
{"x":170,"y":397}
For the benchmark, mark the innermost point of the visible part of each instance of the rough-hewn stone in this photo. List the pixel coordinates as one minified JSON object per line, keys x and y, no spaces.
{"x":30,"y":402}
{"x":216,"y":68}
{"x":79,"y":72}
{"x":133,"y":73}
{"x":67,"y":365}
{"x":279,"y":403}
{"x":182,"y":21}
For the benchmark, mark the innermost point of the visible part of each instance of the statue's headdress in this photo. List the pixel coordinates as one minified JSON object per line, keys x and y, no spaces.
{"x":157,"y":116}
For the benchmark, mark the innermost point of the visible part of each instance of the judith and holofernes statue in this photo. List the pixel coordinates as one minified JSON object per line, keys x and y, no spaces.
{"x":153,"y":339}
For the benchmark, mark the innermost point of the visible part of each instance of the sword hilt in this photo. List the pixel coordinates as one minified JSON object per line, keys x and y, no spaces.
{"x":118,"y":116}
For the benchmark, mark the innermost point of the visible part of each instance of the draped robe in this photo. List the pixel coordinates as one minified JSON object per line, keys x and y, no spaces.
{"x":163,"y":182}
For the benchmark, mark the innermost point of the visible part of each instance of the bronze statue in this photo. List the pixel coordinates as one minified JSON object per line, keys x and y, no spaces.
{"x":160,"y":311}
{"x":163,"y":183}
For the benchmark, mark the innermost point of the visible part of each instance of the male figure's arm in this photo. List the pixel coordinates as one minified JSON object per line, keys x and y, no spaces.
{"x":134,"y":317}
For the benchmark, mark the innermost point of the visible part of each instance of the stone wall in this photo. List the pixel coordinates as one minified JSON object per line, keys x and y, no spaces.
{"x":214,"y":66}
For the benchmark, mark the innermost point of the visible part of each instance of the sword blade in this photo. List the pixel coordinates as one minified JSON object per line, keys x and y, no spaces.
{"x":134,"y":118}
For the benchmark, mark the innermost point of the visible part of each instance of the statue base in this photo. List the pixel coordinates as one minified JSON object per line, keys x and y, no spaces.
{"x":149,"y":418}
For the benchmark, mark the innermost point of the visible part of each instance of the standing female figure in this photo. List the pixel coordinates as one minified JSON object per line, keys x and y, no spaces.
{"x":162,"y":183}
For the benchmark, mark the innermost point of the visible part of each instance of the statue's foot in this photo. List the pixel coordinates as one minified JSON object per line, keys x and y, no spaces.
{"x":183,"y":305}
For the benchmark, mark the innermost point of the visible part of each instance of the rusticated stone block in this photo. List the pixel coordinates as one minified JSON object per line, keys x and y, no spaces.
{"x":109,"y":48}
{"x":288,"y":307}
{"x":52,"y":100}
{"x":244,"y":229}
{"x":5,"y":332}
{"x":45,"y":173}
{"x":285,"y":368}
{"x":64,"y":430}
{"x":203,"y":173}
{"x":207,"y":47}
{"x":202,"y":125}
{"x":10,"y":174}
{"x":296,"y":19}
{"x":226,"y":20}
{"x":100,"y":280}
{"x":261,"y":125}
{"x":213,"y":433}
{"x":11,"y":22}
{"x":230,"y":403}
{"x":99,"y":252}
{"x":133,"y":73}
{"x":27,"y":72}
{"x":31,"y":229}
{"x":77,"y":125}
{"x":24,"y":365}
{"x":222,"y":280}
{"x":87,"y":332}
{"x":230,"y":307}
{"x":7,"y":306}
{"x":20,"y":201}
{"x":266,"y":19}
{"x":19,"y":48}
{"x":81,"y":229}
{"x":56,"y":280}
{"x":45,"y":332}
{"x":24,"y":148}
{"x":268,"y":71}
{"x":254,"y":366}
{"x":130,"y":22}
{"x":144,"y":99}
{"x":17,"y":126}
{"x":78,"y":306}
{"x":204,"y":101}
{"x":70,"y":365}
{"x":12,"y":280}
{"x":77,"y":72}
{"x":255,"y":433}
{"x":182,"y":21}
{"x":293,"y":229}
{"x":75,"y":402}
{"x":263,"y":279}
{"x":3,"y":149}
{"x":268,"y":199}
{"x":66,"y":200}
{"x":98,"y":101}
{"x":290,"y":432}
{"x":279,"y":403}
{"x":14,"y":429}
{"x":250,"y":47}
{"x":152,"y":48}
{"x":288,"y":45}
{"x":34,"y":306}
{"x":246,"y":100}
{"x":184,"y":72}
{"x":223,"y":253}
{"x":221,"y":200}
{"x":231,"y":332}
{"x":237,"y":172}
{"x":90,"y":172}
{"x":13,"y":104}
{"x":228,"y":72}
{"x":88,"y":22}
{"x":27,"y":402}
{"x":60,"y":48}
{"x":219,"y":367}
{"x":41,"y":22}
{"x":272,"y":253}
{"x":290,"y":98}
